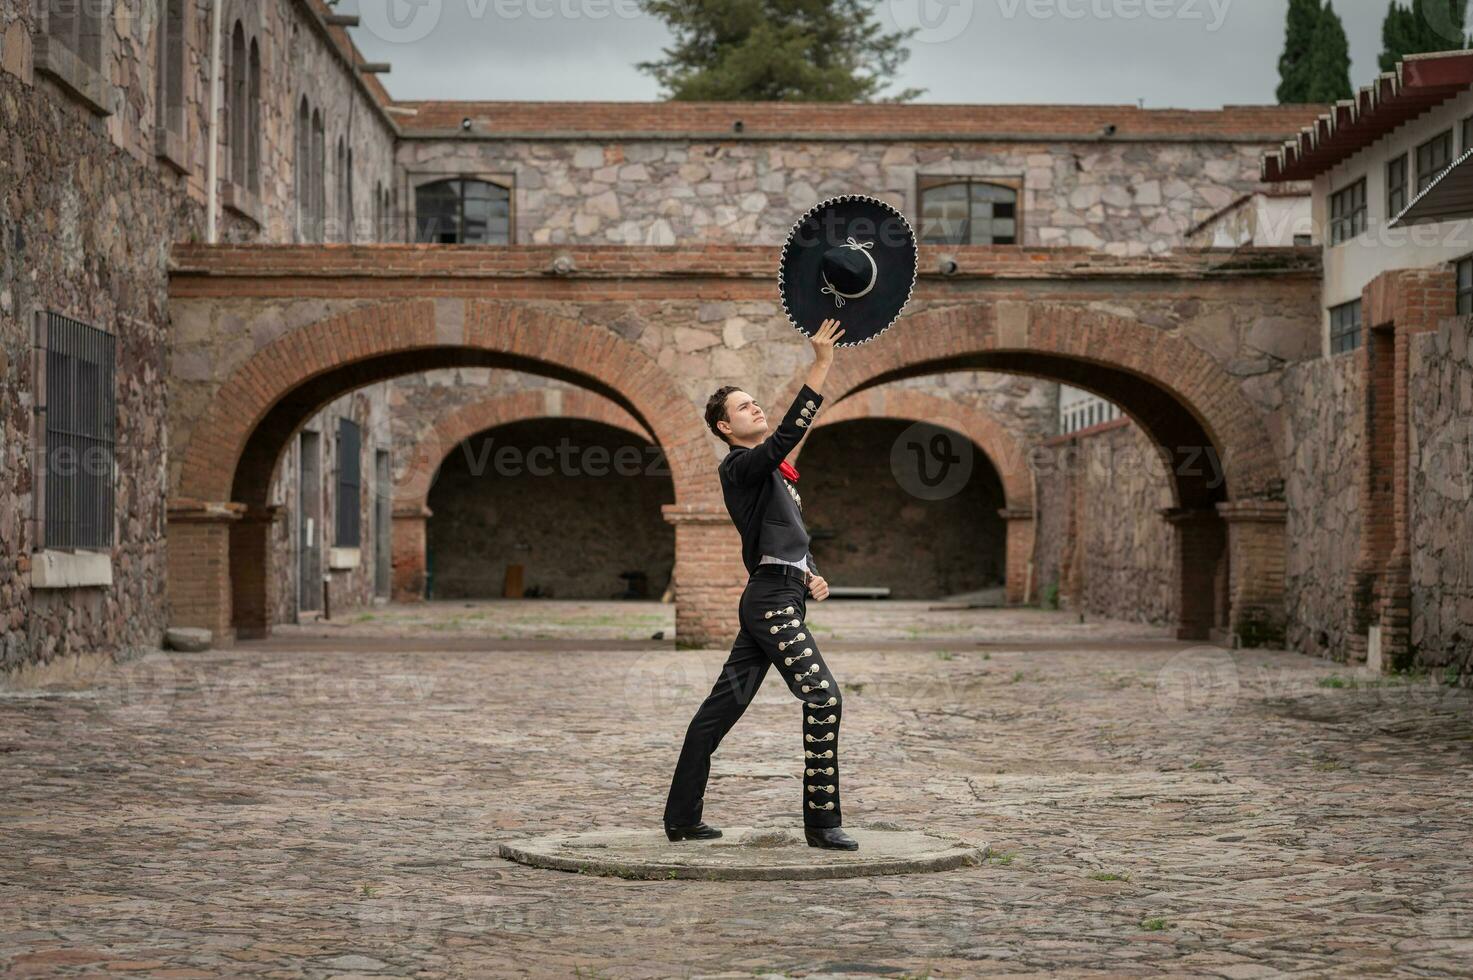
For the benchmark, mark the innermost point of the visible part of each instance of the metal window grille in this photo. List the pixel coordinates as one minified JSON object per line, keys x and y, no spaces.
{"x":1345,"y":327}
{"x":76,"y":412}
{"x":350,"y":481}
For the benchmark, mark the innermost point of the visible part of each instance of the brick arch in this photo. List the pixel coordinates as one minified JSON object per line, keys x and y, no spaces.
{"x":1229,"y":550}
{"x":232,"y":452}
{"x":412,"y":483}
{"x":997,"y":444}
{"x":1002,"y":450}
{"x":1174,"y":390}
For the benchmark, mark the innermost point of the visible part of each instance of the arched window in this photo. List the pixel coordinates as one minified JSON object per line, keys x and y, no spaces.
{"x":343,"y":205}
{"x":253,"y":120}
{"x":236,"y":99}
{"x":959,"y":211}
{"x":378,"y":210}
{"x":318,"y":176}
{"x":171,"y":70}
{"x":463,"y":211}
{"x":302,"y":171}
{"x":351,"y":233}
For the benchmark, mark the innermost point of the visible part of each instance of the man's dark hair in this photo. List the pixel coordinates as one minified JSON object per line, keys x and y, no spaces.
{"x":716,"y":410}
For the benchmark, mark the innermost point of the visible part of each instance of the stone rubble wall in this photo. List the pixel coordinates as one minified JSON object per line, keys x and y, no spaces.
{"x":1102,"y":541}
{"x":85,"y":233}
{"x":1322,"y":527}
{"x":88,"y":215}
{"x":1441,"y":494}
{"x":1126,"y":199}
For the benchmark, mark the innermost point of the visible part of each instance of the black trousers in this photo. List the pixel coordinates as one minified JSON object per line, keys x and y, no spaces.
{"x":773,"y":634}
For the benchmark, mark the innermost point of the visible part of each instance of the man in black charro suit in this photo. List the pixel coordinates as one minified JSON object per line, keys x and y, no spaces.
{"x":765,"y":506}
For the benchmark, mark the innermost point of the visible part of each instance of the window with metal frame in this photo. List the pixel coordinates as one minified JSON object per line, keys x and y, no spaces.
{"x":76,"y":411}
{"x":171,"y":111}
{"x":1396,"y":186}
{"x":1345,"y":327}
{"x":1467,"y":134}
{"x":1465,"y":285}
{"x":967,"y":211}
{"x":463,"y":211}
{"x":1433,"y":158}
{"x":1348,"y":212}
{"x":350,"y":483}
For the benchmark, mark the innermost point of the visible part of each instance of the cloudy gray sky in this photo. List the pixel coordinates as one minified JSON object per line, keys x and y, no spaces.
{"x":1168,"y":53}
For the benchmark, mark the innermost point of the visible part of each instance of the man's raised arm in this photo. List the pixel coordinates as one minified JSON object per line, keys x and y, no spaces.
{"x":756,"y":463}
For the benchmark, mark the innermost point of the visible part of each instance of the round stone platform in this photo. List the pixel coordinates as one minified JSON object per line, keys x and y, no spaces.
{"x":745,"y":853}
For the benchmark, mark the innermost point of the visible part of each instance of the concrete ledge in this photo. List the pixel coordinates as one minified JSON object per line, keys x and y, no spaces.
{"x":70,"y":569}
{"x":340,"y":558}
{"x":744,"y":853}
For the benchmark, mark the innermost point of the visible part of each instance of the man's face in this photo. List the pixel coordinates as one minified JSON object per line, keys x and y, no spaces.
{"x":745,"y":418}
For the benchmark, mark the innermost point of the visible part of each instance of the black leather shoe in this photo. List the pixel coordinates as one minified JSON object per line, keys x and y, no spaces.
{"x":833,"y":837}
{"x":696,"y":831}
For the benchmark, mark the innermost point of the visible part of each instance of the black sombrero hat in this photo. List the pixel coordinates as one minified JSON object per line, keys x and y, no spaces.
{"x":852,"y":258}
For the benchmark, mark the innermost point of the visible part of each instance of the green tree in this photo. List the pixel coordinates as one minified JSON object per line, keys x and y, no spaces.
{"x":777,"y":50}
{"x":1299,"y":29}
{"x":1329,"y":60}
{"x":1424,"y":25}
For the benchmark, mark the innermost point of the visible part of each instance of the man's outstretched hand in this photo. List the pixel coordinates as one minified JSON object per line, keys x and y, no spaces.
{"x":818,"y":587}
{"x":823,"y":339}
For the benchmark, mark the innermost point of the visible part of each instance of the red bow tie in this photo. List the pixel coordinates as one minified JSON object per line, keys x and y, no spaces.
{"x":788,"y":470}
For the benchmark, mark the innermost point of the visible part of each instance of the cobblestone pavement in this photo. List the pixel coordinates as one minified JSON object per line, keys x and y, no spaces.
{"x":329,"y":802}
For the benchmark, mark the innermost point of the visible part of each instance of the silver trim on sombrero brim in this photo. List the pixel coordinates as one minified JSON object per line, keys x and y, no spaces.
{"x":782,"y":262}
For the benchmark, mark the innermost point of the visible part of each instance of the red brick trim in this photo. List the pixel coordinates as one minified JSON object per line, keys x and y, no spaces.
{"x":484,"y":332}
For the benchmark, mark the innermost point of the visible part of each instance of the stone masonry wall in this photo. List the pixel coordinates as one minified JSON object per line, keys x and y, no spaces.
{"x":85,"y":233}
{"x":573,"y":518}
{"x":869,"y":530}
{"x":88,"y":216}
{"x":1442,"y":497}
{"x":1322,"y":526}
{"x":1127,"y":199}
{"x":1107,"y":486}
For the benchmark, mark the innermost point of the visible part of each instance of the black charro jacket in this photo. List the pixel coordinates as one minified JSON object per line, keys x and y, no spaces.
{"x":756,"y":494}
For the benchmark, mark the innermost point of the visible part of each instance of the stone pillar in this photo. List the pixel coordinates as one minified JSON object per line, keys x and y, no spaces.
{"x":198,"y":546}
{"x":1020,"y":587}
{"x":253,"y":582}
{"x":1200,"y":546}
{"x":709,"y":575}
{"x":1255,"y":534}
{"x":409,"y":538}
